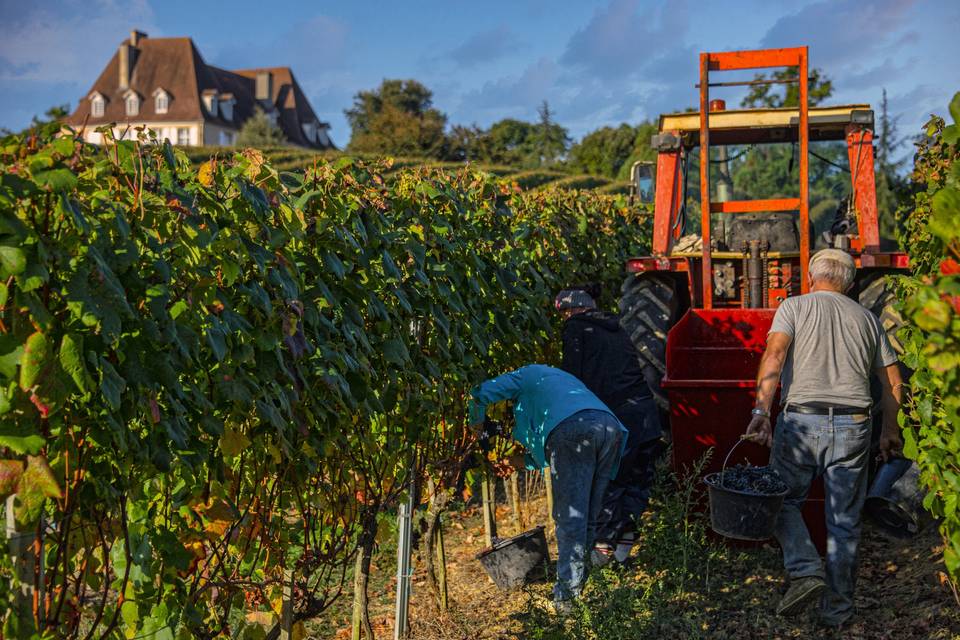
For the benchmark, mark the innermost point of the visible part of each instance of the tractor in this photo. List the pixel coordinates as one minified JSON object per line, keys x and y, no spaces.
{"x":699,"y":307}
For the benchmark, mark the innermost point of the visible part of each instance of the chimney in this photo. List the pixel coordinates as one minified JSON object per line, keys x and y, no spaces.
{"x":264,"y":85}
{"x":127,"y":56}
{"x":123,"y":57}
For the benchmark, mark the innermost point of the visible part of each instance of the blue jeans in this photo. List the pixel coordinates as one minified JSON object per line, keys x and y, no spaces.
{"x":583,"y":452}
{"x":838,"y":448}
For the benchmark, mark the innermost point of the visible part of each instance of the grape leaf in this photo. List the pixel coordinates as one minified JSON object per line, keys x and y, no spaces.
{"x":36,"y":353}
{"x":71,"y":359}
{"x":10,"y":471}
{"x":12,"y":261}
{"x":36,"y":485}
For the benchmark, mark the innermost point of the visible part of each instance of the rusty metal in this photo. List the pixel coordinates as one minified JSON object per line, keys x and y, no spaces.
{"x":666,"y":200}
{"x":754,"y":275}
{"x":860,"y":152}
{"x":706,"y":268}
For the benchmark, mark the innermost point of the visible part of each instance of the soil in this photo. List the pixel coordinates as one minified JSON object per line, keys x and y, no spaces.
{"x":902,"y":594}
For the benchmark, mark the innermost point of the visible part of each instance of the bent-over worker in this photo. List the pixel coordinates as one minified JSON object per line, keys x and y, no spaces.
{"x":824,"y":347}
{"x":562,"y":424}
{"x":598,"y":351}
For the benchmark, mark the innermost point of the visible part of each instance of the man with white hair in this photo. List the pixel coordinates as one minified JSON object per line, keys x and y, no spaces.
{"x":823,"y":347}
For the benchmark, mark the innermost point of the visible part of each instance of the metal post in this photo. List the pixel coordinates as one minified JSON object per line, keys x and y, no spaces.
{"x":401,"y":621}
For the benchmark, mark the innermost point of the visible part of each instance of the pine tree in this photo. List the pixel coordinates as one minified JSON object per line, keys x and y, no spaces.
{"x":552,"y":139}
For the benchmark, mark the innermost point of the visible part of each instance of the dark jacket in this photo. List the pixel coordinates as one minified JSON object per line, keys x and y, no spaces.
{"x":598,"y":350}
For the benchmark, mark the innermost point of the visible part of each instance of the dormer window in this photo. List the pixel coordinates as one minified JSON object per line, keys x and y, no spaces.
{"x":131,"y":103}
{"x":226,"y":106}
{"x":210,"y":102}
{"x":98,"y":105}
{"x":310,"y":130}
{"x":161,"y":101}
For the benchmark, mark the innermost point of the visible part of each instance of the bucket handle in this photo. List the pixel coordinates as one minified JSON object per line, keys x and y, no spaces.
{"x":724,"y":467}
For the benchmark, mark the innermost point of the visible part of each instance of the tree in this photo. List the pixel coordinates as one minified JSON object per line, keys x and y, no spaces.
{"x":604,"y":151}
{"x":892,"y":187}
{"x":552,"y":140}
{"x":397,"y":118}
{"x":611,"y":151}
{"x":819,"y":88}
{"x":260,"y":131}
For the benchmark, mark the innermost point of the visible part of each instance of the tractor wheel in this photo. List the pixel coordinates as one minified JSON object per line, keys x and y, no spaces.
{"x":876,"y":296}
{"x":647,"y":307}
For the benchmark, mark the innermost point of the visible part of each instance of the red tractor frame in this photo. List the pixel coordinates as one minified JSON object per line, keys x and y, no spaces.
{"x":717,"y":300}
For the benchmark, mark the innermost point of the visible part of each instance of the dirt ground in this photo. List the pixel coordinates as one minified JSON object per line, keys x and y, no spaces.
{"x":730,"y":593}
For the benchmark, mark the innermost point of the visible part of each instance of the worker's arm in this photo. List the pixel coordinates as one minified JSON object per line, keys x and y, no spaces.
{"x":891,"y":382}
{"x":503,"y":387}
{"x":768,"y":377}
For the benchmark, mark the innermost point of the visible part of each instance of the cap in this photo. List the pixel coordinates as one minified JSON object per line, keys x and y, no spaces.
{"x":574,"y":299}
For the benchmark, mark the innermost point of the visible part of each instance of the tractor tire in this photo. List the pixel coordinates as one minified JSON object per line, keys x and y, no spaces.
{"x":648,"y":303}
{"x":877,"y":297}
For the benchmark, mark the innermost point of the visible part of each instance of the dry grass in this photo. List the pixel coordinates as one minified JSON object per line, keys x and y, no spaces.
{"x":710,"y":591}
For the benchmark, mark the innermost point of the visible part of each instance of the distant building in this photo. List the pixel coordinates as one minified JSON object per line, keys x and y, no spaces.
{"x":164,"y":84}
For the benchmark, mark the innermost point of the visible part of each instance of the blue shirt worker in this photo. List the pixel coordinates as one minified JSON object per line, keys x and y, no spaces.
{"x":561,"y":424}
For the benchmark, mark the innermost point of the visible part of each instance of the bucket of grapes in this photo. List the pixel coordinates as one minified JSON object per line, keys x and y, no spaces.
{"x":745,"y":500}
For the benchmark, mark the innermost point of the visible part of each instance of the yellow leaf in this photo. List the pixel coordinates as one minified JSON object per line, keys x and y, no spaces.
{"x":205,"y":174}
{"x":299,"y":631}
{"x":232,"y":442}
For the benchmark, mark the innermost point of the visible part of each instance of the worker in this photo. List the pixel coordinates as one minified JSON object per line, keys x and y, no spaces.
{"x":598,"y":351}
{"x":561,"y":424}
{"x":823,"y":347}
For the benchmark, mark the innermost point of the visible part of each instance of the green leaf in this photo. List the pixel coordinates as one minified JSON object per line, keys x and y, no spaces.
{"x":36,"y":355}
{"x":12,"y":261}
{"x":945,"y":219}
{"x":11,"y":351}
{"x":56,"y":179}
{"x":396,"y":352}
{"x":20,"y":438}
{"x":71,"y":359}
{"x":36,"y":485}
{"x":955,"y":107}
{"x":951,"y":134}
{"x":934,"y":315}
{"x":111,"y":384}
{"x":4,"y":293}
{"x":64,"y":146}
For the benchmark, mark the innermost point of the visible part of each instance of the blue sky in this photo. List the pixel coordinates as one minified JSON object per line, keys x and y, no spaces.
{"x":596,"y":62}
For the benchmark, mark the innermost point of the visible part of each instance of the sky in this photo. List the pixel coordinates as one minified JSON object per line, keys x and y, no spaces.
{"x":596,"y":62}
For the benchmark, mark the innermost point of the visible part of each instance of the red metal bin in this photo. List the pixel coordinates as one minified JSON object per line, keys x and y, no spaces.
{"x":712,"y":361}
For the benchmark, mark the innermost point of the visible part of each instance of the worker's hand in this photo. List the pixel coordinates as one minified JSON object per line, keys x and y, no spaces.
{"x":759,"y":431}
{"x":891,"y":444}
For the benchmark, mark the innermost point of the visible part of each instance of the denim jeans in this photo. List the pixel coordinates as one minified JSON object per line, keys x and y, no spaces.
{"x":838,"y":448}
{"x":583,"y":452}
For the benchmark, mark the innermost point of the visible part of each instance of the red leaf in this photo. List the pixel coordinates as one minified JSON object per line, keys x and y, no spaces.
{"x":44,"y":409}
{"x":949,"y":267}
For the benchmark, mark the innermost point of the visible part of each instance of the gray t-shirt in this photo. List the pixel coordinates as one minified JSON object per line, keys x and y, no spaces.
{"x":836,"y":344}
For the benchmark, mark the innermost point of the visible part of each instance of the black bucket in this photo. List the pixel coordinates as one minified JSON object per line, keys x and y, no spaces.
{"x":740,"y":515}
{"x":516,"y":561}
{"x":895,"y":501}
